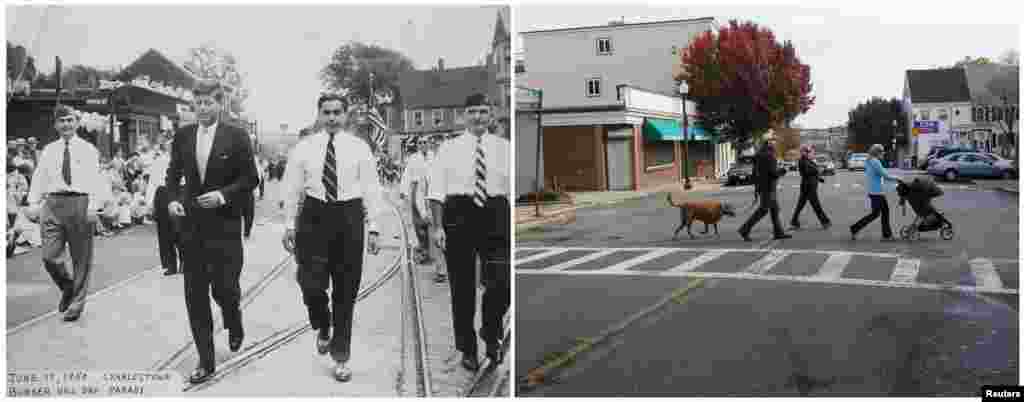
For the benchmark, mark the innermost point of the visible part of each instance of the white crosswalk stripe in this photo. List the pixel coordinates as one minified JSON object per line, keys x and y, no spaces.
{"x":905,"y":273}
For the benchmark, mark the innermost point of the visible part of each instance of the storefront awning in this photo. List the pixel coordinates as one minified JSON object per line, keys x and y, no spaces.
{"x":669,"y":130}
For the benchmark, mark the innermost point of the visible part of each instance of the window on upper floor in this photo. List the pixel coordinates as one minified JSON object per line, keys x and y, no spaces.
{"x":942,"y":114}
{"x":604,"y":46}
{"x":593,"y":87}
{"x":438,"y":117}
{"x":417,"y":118}
{"x":926,"y":115}
{"x":460,"y":116}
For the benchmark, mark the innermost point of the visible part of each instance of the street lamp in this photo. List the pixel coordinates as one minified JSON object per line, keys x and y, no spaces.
{"x":683,"y":90}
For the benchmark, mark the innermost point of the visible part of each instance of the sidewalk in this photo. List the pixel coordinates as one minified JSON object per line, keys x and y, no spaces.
{"x":564,"y":213}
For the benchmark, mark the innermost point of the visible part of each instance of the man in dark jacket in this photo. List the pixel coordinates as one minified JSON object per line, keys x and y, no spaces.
{"x":766,"y":177}
{"x":810,"y":176}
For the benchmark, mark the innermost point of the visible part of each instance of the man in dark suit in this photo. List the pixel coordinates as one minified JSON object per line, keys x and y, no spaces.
{"x":766,"y":178}
{"x":216,"y":161}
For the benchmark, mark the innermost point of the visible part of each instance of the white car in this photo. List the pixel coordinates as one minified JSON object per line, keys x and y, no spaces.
{"x":856,"y":161}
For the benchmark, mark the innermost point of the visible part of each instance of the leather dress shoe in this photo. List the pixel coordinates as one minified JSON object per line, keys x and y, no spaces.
{"x":494,"y":353}
{"x":169,"y":272}
{"x":470,"y":362}
{"x":235,"y":342}
{"x":342,"y":373}
{"x":323,"y":343}
{"x":745,"y":236}
{"x":200,"y":375}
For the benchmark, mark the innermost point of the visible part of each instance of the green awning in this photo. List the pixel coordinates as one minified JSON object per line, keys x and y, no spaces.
{"x":669,"y":130}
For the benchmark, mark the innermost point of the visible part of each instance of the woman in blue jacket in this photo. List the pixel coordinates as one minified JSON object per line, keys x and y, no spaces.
{"x":874,"y":172}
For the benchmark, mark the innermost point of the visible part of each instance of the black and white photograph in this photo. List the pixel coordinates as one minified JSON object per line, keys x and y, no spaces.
{"x":767,"y":200}
{"x":258,"y":200}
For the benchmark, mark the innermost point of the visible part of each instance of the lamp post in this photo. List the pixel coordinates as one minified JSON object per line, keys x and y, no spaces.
{"x":895,"y":158}
{"x":683,"y":90}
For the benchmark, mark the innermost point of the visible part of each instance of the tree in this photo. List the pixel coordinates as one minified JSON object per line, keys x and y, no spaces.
{"x":871,"y":122}
{"x":744,"y":82}
{"x":211,"y":63}
{"x":352,"y":63}
{"x":20,"y":62}
{"x":1005,"y":87}
{"x":1011,"y":57}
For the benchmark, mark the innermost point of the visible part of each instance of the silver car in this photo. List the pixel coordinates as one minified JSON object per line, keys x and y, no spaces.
{"x":972,"y":164}
{"x":856,"y":161}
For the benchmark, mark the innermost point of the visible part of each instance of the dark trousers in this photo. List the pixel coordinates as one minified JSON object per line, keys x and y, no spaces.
{"x":248,"y":212}
{"x":212,"y":264}
{"x":769,"y":205}
{"x":809,"y":193}
{"x":879,"y":207}
{"x":329,"y":248}
{"x":167,"y":230}
{"x":64,"y":221}
{"x":473,"y":231}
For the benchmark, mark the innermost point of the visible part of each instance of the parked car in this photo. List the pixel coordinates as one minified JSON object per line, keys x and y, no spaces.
{"x":972,"y":164}
{"x":856,"y":161}
{"x":741,"y":172}
{"x":942,"y":151}
{"x":825,"y":165}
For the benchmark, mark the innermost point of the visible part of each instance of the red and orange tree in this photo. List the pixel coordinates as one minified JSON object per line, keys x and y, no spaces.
{"x":744,"y":82}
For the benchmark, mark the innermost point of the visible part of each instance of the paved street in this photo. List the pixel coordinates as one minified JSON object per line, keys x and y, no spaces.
{"x":639,"y":313}
{"x":135,"y":319}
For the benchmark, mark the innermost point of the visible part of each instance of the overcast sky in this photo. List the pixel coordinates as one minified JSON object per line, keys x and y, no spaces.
{"x":854,"y":54}
{"x":280,"y":49}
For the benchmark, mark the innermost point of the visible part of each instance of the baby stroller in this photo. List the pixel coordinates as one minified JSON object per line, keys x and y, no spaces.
{"x":919,"y":194}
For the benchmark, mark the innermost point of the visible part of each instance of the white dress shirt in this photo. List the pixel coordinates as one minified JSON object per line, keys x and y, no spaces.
{"x":453,"y":171}
{"x":157,"y":174}
{"x":85,"y":173}
{"x":417,"y":171}
{"x":355,"y":165}
{"x":204,"y":141}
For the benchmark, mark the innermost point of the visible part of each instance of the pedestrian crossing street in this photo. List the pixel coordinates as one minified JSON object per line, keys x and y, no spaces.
{"x":808,"y":266}
{"x":838,"y":186}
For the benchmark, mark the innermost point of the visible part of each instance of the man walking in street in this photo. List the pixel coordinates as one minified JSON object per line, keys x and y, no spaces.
{"x":469,"y":186}
{"x":766,"y":178}
{"x":66,"y":196}
{"x":334,"y":175}
{"x":167,"y":228}
{"x":810,"y":176}
{"x":216,"y":162}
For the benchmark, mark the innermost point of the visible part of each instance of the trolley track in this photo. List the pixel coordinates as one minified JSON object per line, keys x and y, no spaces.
{"x":280,"y":338}
{"x":487,"y":381}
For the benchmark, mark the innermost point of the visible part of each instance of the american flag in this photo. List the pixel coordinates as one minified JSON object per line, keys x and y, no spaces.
{"x":377,"y":127}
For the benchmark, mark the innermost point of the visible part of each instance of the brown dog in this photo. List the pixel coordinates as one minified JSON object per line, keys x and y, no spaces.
{"x":707,"y":211}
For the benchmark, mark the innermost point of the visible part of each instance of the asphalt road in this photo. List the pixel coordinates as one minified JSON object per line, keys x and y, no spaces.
{"x":886,"y":322}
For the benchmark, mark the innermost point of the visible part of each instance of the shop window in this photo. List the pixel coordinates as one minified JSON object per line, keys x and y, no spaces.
{"x":659,"y":153}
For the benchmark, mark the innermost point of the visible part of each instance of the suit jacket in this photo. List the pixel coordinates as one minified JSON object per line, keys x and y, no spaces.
{"x":766,"y":172}
{"x":230,"y":169}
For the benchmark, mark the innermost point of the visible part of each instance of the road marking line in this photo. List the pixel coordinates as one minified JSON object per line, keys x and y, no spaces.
{"x":695,"y":262}
{"x":625,"y":265}
{"x":727,"y":250}
{"x":578,"y":261}
{"x":545,"y":254}
{"x":833,"y":267}
{"x":784,"y":278}
{"x":767,"y":262}
{"x":836,"y":185}
{"x":985,"y":275}
{"x":795,"y":186}
{"x":906,"y":270}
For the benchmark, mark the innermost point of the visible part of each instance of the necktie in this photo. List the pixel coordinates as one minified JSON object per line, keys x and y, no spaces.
{"x":330,"y":178}
{"x":480,"y":189}
{"x":66,"y":168}
{"x":204,"y":150}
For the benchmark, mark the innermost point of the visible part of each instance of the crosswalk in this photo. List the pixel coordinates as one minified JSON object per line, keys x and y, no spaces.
{"x":838,"y":186}
{"x":808,"y":266}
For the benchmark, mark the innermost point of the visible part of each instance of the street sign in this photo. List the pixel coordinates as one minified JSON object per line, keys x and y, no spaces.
{"x":926,"y":126}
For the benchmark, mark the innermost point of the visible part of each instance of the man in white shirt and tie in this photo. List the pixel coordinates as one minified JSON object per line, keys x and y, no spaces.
{"x":333,"y":173}
{"x":469,"y":188}
{"x":66,"y":196}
